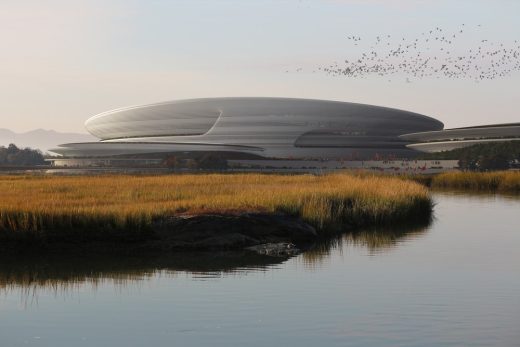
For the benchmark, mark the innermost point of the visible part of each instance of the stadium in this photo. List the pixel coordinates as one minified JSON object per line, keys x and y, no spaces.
{"x":275,"y":128}
{"x":275,"y":132}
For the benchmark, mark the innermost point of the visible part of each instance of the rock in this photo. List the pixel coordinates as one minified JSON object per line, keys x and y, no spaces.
{"x":275,"y":249}
{"x":202,"y":232}
{"x":231,"y":231}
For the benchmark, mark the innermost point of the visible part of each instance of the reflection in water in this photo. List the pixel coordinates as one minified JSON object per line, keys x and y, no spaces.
{"x":375,"y":240}
{"x":456,"y":284}
{"x":64,"y":273}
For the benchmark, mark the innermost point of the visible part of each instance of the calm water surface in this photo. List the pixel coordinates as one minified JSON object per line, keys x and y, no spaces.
{"x":454,"y":283}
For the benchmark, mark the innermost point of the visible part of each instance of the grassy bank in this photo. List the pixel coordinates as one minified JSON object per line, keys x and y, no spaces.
{"x":502,"y":181}
{"x":117,"y":207}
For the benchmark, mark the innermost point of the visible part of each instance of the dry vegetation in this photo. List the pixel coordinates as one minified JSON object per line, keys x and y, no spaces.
{"x":503,"y":181}
{"x":115,"y":205}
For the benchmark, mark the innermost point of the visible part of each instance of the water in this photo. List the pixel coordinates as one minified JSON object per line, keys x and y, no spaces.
{"x":454,"y":283}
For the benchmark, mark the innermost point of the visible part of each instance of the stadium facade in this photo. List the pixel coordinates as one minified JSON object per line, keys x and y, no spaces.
{"x":271,"y":128}
{"x":278,"y":128}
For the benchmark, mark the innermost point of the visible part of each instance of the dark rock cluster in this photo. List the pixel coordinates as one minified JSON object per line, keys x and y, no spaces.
{"x":237,"y":231}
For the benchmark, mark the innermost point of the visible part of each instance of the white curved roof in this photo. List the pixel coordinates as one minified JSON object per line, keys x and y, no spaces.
{"x":278,"y":127}
{"x":441,"y":146}
{"x":480,"y":132}
{"x":240,"y":115}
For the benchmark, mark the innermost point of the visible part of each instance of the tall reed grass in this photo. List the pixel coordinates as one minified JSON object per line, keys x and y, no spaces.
{"x":503,"y":181}
{"x":105,"y":207}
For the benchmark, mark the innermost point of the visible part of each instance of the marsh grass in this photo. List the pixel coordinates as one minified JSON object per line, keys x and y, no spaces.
{"x":106,"y":207}
{"x":501,"y":181}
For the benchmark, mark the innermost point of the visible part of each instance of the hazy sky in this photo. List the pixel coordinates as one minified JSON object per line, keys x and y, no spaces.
{"x":63,"y":61}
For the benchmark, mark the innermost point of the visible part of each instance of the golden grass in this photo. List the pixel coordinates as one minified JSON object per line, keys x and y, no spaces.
{"x":504,"y":181}
{"x":104,"y":204}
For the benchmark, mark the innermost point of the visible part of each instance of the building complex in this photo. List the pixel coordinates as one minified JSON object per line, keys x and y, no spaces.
{"x":268,"y":129}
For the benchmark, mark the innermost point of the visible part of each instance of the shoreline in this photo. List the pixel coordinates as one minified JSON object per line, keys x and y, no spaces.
{"x":505,"y":181}
{"x":276,"y":233}
{"x":251,"y":232}
{"x":197,"y":212}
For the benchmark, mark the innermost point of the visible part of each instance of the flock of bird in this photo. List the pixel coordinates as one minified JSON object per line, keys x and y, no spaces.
{"x":435,"y":53}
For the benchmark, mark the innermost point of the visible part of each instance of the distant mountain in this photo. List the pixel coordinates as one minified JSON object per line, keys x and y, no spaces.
{"x":41,"y":139}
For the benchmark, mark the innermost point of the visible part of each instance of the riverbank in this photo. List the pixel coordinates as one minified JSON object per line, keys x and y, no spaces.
{"x":210,"y":211}
{"x":500,"y":181}
{"x":495,"y":181}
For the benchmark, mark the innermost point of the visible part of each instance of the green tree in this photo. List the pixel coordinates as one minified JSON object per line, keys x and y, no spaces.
{"x":12,"y":155}
{"x":487,"y":156}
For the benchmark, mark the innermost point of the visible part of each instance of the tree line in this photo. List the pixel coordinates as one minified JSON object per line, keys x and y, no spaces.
{"x":483,"y":157}
{"x":12,"y":155}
